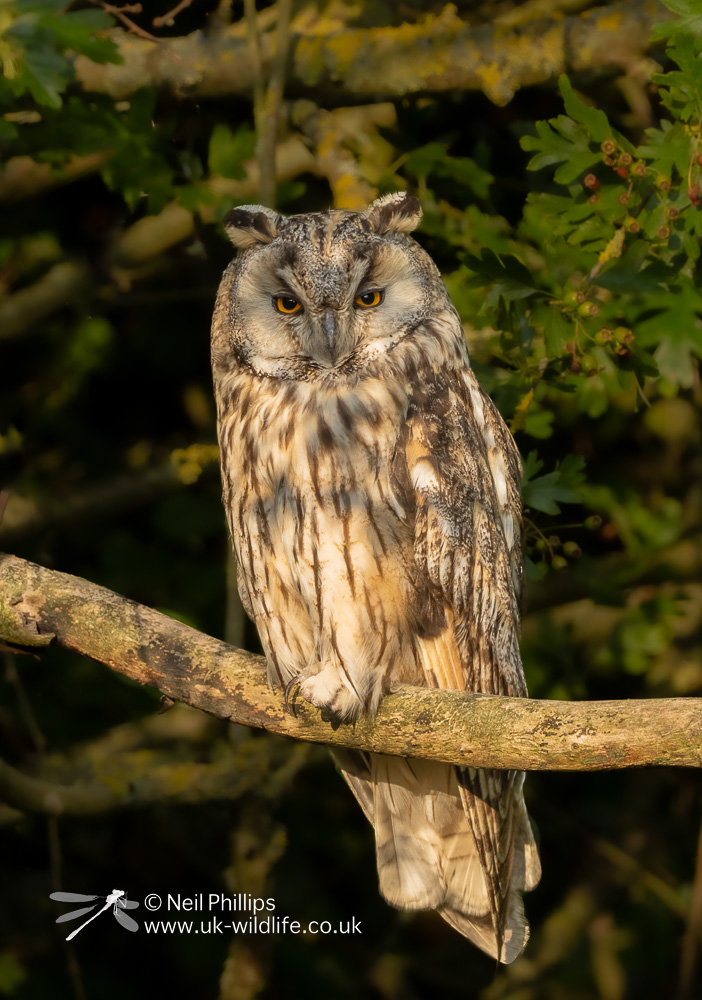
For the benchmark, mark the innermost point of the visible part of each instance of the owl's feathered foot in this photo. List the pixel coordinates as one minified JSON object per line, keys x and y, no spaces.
{"x":326,"y":689}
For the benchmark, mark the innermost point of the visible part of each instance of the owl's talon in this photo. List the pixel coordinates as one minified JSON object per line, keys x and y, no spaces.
{"x":290,"y":707}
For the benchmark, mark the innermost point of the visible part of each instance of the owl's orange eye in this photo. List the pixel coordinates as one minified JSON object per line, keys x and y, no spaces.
{"x":369,"y":299}
{"x":287,"y":304}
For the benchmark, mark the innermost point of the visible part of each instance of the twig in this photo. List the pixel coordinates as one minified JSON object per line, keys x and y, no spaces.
{"x":254,"y":41}
{"x":269,"y":108}
{"x":30,"y":719}
{"x":159,"y":22}
{"x":121,"y":14}
{"x":455,"y":727}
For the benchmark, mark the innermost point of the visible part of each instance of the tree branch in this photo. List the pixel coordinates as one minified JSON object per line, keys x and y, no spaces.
{"x":21,"y":176}
{"x":131,"y":780}
{"x":138,"y":246}
{"x":457,"y":727}
{"x":359,"y":64}
{"x":60,"y":285}
{"x":25,"y":517}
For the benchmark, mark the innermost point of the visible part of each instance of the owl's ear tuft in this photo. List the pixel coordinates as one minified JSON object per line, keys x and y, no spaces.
{"x":398,"y":213}
{"x":251,"y":224}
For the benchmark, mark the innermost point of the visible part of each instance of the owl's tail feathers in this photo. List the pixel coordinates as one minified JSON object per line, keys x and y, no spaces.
{"x":504,"y":928}
{"x":428,"y":855}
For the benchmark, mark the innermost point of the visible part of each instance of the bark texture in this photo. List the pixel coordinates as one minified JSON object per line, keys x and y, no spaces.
{"x":350,"y":64}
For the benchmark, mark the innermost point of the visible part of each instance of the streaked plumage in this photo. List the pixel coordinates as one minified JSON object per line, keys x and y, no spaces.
{"x":372,"y":493}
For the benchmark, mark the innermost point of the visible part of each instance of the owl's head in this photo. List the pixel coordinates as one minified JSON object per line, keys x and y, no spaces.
{"x":324,"y":291}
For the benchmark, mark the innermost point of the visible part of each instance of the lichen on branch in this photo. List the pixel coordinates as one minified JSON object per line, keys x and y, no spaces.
{"x":440,"y":53}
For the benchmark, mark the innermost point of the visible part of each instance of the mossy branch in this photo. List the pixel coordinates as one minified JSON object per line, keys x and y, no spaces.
{"x":441,"y":53}
{"x":456,"y":727}
{"x":142,"y":778}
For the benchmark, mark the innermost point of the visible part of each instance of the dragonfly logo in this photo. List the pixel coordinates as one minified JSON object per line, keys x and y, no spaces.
{"x":117,"y":900}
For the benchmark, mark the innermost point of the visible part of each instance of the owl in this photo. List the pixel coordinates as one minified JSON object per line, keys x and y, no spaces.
{"x":372,"y":494}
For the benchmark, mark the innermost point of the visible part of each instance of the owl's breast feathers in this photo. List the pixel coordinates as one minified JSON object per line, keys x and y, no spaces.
{"x":376,"y":523}
{"x":321,"y":539}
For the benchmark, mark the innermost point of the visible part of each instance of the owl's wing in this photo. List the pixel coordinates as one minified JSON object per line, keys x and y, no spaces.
{"x":456,"y":472}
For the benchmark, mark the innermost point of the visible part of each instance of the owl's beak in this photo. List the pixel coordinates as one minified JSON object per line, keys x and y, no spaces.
{"x":330,"y":325}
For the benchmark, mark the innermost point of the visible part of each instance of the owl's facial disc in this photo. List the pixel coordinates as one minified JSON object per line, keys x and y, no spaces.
{"x":322,"y":289}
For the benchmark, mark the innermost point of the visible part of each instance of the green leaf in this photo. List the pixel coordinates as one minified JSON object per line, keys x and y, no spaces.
{"x":577,"y":164}
{"x":47,"y":74}
{"x":668,"y":146}
{"x":544,"y":493}
{"x":76,"y":30}
{"x":557,"y":329}
{"x":594,"y":119}
{"x":508,"y":279}
{"x":433,"y":160}
{"x":681,"y":92}
{"x":535,"y":571}
{"x":689,"y":20}
{"x":628,"y":274}
{"x":673,"y":328}
{"x":228,"y":150}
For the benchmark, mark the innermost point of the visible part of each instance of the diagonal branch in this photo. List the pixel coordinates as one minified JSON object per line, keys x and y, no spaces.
{"x":457,"y":727}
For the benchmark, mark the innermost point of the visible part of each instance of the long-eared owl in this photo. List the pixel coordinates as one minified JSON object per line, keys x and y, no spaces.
{"x":372,"y":493}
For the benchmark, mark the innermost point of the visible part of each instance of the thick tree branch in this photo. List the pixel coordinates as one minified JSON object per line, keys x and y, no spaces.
{"x":25,"y":517}
{"x":132,"y":780}
{"x":357,"y":64}
{"x":59,"y":286}
{"x":480,"y":730}
{"x":22,"y":177}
